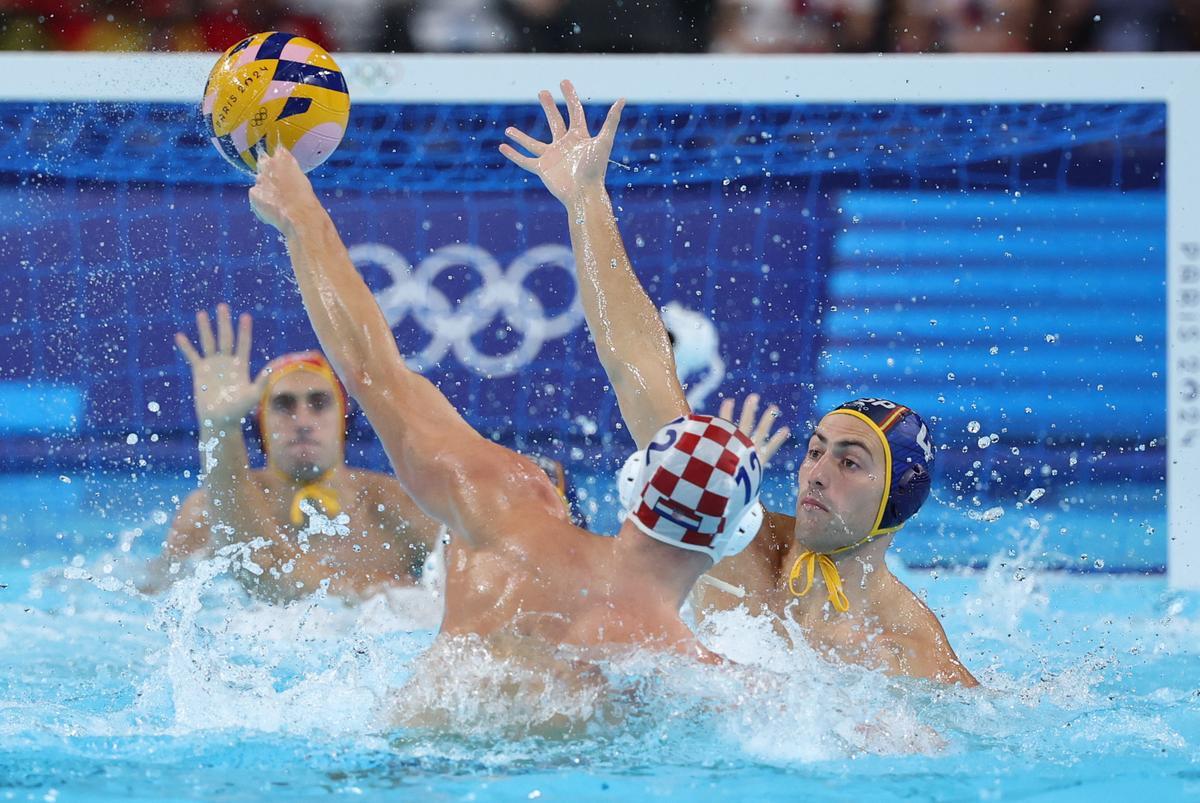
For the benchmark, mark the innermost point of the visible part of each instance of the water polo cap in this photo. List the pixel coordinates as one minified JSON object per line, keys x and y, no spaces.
{"x":907,"y":455}
{"x":285,"y":364}
{"x":695,"y":486}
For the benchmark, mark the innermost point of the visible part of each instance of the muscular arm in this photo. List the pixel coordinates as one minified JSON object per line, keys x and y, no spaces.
{"x":630,"y":338}
{"x":453,"y":473}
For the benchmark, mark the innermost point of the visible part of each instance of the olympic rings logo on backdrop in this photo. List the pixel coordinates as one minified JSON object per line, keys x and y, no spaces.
{"x":501,"y":294}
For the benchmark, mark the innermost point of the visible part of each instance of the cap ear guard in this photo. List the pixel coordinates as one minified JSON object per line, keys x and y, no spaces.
{"x":744,"y":531}
{"x":627,"y":482}
{"x":908,"y":494}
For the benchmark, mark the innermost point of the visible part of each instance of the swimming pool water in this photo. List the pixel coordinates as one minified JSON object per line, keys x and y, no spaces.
{"x":1091,"y":690}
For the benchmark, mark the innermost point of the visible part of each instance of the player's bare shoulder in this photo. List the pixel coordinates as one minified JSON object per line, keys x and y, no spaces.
{"x":917,"y":642}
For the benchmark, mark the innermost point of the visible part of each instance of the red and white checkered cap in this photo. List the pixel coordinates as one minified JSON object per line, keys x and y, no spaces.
{"x":695,"y":486}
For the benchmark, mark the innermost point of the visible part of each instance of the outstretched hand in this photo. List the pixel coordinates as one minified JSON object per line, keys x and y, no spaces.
{"x":281,"y":191}
{"x":758,"y":429}
{"x":220,"y":370}
{"x":573,"y":161}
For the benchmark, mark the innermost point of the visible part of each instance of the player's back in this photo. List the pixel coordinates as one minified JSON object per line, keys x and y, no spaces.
{"x":556,"y":583}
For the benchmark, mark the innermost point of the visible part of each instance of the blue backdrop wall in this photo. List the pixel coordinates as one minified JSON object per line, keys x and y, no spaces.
{"x":982,"y":261}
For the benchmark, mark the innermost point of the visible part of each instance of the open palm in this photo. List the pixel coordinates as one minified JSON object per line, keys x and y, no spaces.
{"x":221,"y":368}
{"x":573,"y":160}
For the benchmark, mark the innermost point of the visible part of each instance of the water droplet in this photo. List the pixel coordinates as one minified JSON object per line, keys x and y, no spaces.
{"x":972,"y":427}
{"x":131,"y":438}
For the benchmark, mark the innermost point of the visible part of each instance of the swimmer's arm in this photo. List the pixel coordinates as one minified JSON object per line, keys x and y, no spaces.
{"x":353,"y":333}
{"x":454,"y":474}
{"x":630,"y":337}
{"x":238,"y":510}
{"x":224,"y":395}
{"x":188,"y":537}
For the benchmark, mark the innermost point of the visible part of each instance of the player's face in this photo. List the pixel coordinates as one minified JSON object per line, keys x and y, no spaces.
{"x":841,"y":484}
{"x":304,"y":422}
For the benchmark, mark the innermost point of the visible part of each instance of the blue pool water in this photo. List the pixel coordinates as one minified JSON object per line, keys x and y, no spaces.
{"x":1091,"y":689}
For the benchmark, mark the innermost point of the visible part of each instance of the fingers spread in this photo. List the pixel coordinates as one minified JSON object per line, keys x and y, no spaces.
{"x":224,"y":329}
{"x":208,"y":344}
{"x":553,"y":115}
{"x":609,"y":131}
{"x":527,"y":142}
{"x":243,"y":338}
{"x":765,"y":423}
{"x":768,"y":449}
{"x":185,"y":346}
{"x":726,"y":410}
{"x":749,"y":414}
{"x":575,"y":108}
{"x":519,"y":160}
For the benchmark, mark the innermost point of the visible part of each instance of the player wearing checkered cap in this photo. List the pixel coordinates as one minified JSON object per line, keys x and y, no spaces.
{"x":695,"y":486}
{"x":521,"y":578}
{"x":845,"y":495}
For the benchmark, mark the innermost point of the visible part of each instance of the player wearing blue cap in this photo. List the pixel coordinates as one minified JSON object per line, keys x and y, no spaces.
{"x":866,"y":471}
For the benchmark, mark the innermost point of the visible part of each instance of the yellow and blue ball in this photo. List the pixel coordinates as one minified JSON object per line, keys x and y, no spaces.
{"x":275,"y":88}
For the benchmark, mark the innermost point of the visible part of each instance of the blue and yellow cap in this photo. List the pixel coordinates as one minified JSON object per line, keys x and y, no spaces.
{"x":908,"y":458}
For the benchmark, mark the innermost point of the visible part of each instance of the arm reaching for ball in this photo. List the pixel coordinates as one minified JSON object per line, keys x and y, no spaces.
{"x":454,"y":474}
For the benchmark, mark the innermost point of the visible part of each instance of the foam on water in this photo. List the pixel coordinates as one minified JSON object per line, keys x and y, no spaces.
{"x":1060,"y":681}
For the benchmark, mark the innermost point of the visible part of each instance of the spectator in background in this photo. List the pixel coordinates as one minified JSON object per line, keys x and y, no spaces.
{"x":444,"y":26}
{"x":108,"y":25}
{"x":797,"y":26}
{"x":1118,"y":26}
{"x":223,"y":23}
{"x":350,"y":25}
{"x":609,"y":26}
{"x":1184,"y":33}
{"x":975,"y":26}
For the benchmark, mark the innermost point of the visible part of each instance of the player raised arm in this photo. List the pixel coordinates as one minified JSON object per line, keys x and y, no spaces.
{"x":454,"y":474}
{"x":225,"y":395}
{"x":630,"y":337}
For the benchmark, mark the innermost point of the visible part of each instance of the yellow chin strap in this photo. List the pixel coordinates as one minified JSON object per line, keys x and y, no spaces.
{"x":320,"y":495}
{"x":833,"y":580}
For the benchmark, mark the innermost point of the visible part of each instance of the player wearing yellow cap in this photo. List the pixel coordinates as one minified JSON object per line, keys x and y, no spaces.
{"x":320,"y":521}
